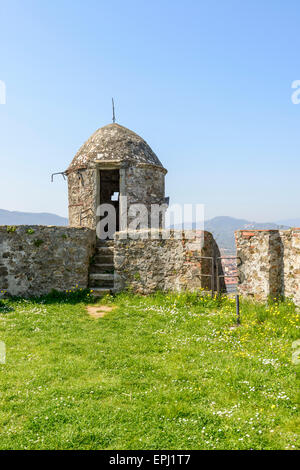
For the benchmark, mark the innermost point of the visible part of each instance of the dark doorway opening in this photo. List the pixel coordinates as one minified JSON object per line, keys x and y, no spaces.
{"x":110,"y":191}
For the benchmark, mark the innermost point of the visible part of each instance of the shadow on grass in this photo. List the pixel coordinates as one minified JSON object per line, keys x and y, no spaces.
{"x":72,"y":296}
{"x":4,"y":308}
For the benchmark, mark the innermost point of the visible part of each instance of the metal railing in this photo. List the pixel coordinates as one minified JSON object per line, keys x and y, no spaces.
{"x":212,"y":275}
{"x":224,"y":275}
{"x":218,"y":277}
{"x":237,"y":297}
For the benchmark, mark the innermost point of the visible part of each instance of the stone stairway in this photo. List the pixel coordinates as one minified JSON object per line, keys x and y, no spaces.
{"x":101,"y":278}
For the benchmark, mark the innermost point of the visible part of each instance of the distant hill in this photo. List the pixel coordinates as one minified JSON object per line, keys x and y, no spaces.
{"x":290,"y":222}
{"x":30,"y":218}
{"x":223,"y":229}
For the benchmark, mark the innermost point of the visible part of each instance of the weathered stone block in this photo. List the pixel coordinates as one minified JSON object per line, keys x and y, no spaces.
{"x":60,"y":262}
{"x":164,"y":263}
{"x":269,"y":263}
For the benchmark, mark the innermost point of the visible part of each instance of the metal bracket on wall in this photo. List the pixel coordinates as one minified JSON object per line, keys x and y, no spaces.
{"x":63,"y":173}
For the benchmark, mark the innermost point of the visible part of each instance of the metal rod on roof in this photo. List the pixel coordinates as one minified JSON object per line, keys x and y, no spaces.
{"x":113,"y":107}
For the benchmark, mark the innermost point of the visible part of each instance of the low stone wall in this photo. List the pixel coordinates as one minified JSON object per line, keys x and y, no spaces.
{"x":36,"y":259}
{"x":269,"y":263}
{"x":173,"y":263}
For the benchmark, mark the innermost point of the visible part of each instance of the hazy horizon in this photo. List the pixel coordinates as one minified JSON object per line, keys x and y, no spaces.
{"x":279,"y":222}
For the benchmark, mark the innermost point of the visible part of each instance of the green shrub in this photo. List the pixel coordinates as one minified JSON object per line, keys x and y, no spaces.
{"x":73,"y":296}
{"x":11,"y":228}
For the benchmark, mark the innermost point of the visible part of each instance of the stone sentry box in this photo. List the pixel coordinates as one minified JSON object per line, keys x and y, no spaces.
{"x":118,"y":167}
{"x":113,"y":150}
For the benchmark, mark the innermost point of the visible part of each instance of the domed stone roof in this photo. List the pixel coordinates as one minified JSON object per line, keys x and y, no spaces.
{"x":114,"y":143}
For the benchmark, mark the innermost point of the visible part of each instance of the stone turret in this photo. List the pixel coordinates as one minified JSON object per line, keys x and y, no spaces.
{"x":114,"y":162}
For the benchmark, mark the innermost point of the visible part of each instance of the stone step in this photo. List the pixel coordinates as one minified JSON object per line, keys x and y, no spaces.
{"x":100,"y":291}
{"x":102,"y":276}
{"x":103,"y":259}
{"x":105,"y":249}
{"x":101,"y":283}
{"x":105,"y":243}
{"x":102,"y":268}
{"x":101,"y":280}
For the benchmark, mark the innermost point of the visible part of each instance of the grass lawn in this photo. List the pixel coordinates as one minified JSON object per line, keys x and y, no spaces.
{"x":158,"y":372}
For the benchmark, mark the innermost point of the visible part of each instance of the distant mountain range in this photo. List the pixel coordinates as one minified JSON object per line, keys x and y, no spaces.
{"x":222,"y":228}
{"x":290,"y":222}
{"x":30,"y":218}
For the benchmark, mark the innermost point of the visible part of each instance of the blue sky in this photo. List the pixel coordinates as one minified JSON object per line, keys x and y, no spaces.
{"x":207,"y":84}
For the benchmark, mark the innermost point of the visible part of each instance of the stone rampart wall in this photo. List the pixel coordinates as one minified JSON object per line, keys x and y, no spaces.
{"x":165,"y":263}
{"x":269,"y":263}
{"x":36,"y":259}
